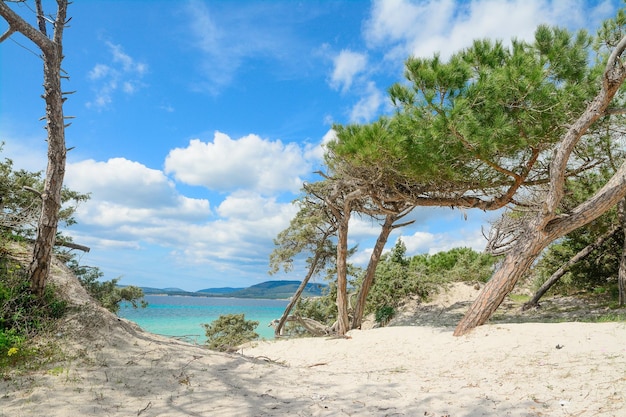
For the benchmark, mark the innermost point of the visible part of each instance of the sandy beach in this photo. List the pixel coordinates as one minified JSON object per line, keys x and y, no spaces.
{"x":566,"y":369}
{"x":112,"y":368}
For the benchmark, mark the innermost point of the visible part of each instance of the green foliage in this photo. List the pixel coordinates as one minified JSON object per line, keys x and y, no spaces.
{"x":20,"y":202}
{"x":22,"y":314}
{"x":308,"y":232}
{"x":108,"y":293}
{"x":486,"y":106}
{"x":384,"y":314}
{"x":398,"y":277}
{"x":322,"y":309}
{"x":230,"y":331}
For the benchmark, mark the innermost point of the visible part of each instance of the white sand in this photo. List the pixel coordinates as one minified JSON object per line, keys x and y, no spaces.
{"x":498,"y":370}
{"x":114,"y":369}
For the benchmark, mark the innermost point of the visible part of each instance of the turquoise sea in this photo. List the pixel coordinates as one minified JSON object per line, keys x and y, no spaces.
{"x":183,"y":316}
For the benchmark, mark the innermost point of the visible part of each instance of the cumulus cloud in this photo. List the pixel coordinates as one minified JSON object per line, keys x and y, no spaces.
{"x":247,"y":223}
{"x":316,"y":152}
{"x":347,"y":65}
{"x":132,"y":205}
{"x":127,"y":192}
{"x":249,"y":163}
{"x":122,"y":74}
{"x":421,"y":28}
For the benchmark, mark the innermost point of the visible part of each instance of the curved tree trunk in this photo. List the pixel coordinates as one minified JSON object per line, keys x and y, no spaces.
{"x":554,"y":278}
{"x":539,"y":235}
{"x":370,"y":273}
{"x":503,"y":281}
{"x":386,"y":229}
{"x":278,"y":331}
{"x":548,"y":223}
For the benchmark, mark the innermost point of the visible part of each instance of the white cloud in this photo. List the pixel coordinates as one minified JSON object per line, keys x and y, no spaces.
{"x":27,"y":151}
{"x":316,"y":153}
{"x":426,"y":242}
{"x":133,"y":206}
{"x":129,"y":65}
{"x":123,"y":73}
{"x":422,"y":28}
{"x":248,"y":163}
{"x":124,"y":191}
{"x":99,"y":71}
{"x":368,"y":106}
{"x":347,"y":65}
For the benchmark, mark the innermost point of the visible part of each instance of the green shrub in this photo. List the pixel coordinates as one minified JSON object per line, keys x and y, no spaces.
{"x":230,"y":331}
{"x":9,"y":339}
{"x":22,"y":314}
{"x":398,"y":277}
{"x":384,"y":314}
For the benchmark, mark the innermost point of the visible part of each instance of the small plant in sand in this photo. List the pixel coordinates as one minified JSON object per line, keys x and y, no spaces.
{"x":230,"y":331}
{"x":384,"y":315}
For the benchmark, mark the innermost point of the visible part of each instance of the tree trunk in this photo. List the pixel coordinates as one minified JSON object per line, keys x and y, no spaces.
{"x":621,"y":275}
{"x":539,"y":234}
{"x":370,"y":273}
{"x":343,"y":321}
{"x":296,"y":296}
{"x":52,"y":53}
{"x":516,"y":263}
{"x":51,"y":196}
{"x":548,"y":223}
{"x":554,"y":278}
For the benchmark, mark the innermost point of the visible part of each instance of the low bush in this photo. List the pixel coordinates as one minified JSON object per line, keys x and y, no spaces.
{"x":384,"y":314}
{"x":230,"y":331}
{"x":22,"y":314}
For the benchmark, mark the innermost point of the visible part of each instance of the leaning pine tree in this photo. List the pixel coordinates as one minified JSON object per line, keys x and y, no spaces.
{"x":479,"y":130}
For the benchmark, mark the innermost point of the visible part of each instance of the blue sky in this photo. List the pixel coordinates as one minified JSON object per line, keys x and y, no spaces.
{"x":197,"y":121}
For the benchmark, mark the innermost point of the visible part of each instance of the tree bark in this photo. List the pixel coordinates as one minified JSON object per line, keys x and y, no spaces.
{"x":370,"y":272}
{"x":554,"y":278}
{"x":503,"y":281}
{"x":343,"y":321}
{"x":296,"y":296}
{"x":621,"y":275}
{"x":539,"y":234}
{"x":52,"y":52}
{"x":548,"y":225}
{"x":340,"y":202}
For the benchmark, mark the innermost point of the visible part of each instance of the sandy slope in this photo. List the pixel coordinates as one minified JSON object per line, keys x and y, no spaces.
{"x":115,"y":369}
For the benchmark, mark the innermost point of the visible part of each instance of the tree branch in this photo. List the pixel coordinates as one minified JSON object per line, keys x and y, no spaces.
{"x":17,"y":24}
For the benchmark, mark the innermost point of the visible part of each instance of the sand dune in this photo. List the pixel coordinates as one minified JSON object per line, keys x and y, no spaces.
{"x":112,"y":368}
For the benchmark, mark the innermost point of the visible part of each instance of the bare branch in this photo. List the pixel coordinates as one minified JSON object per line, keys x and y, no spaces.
{"x":10,"y":31}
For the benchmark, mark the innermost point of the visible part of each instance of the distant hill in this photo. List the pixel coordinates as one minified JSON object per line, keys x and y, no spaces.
{"x":168,"y":291}
{"x":278,"y":289}
{"x":219,"y":291}
{"x":268,"y":289}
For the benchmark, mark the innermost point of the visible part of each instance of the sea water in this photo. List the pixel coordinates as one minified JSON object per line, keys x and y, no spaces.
{"x":183,"y":317}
